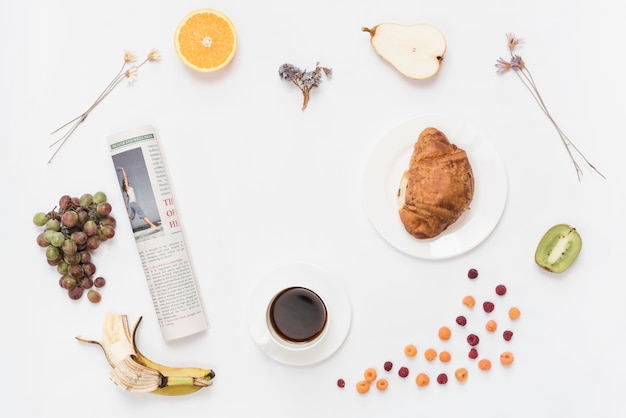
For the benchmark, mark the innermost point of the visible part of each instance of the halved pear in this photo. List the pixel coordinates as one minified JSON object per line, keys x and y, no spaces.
{"x":414,"y":50}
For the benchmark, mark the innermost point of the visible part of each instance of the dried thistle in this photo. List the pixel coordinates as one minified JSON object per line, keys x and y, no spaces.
{"x":517,"y":64}
{"x":303,"y":79}
{"x":127,"y":71}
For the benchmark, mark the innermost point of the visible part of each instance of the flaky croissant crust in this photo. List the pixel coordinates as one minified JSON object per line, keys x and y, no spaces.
{"x":437,"y":187}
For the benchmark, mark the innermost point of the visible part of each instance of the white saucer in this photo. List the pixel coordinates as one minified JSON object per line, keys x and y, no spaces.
{"x":314,"y":278}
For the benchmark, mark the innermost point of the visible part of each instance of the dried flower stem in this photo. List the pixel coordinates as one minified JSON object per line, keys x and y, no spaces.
{"x":521,"y":70}
{"x":123,"y":73}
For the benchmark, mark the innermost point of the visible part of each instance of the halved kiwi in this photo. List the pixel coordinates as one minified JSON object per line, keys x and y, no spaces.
{"x":558,"y":248}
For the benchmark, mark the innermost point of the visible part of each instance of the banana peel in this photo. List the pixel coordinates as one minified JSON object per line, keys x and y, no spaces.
{"x":134,"y":372}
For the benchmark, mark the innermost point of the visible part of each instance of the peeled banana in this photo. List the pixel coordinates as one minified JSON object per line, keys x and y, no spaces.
{"x":132,"y":371}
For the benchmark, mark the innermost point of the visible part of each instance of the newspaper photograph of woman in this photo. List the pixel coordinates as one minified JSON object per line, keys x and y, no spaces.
{"x":137,"y":194}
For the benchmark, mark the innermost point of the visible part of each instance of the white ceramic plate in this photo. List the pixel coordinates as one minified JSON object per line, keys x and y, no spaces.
{"x":390,"y":158}
{"x":314,"y":278}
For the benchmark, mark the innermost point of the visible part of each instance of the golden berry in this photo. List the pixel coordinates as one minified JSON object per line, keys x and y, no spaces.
{"x":444,"y":333}
{"x":469,"y":301}
{"x":363,"y":386}
{"x":444,"y":357}
{"x":369,"y":375}
{"x":410,"y":350}
{"x":422,"y":380}
{"x":430,"y":354}
{"x":461,"y":374}
{"x":382,"y":384}
{"x":506,"y":358}
{"x":514,"y":313}
{"x":484,"y":364}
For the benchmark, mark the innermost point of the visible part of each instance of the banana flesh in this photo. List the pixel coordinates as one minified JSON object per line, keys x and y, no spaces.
{"x":134,"y":372}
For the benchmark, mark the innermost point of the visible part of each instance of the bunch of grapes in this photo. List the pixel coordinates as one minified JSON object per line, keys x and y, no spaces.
{"x":71,"y":232}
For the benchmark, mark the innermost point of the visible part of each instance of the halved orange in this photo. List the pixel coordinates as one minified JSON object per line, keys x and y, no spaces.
{"x":206,"y":40}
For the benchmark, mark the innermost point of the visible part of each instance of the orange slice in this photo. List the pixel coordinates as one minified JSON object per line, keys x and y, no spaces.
{"x":206,"y":40}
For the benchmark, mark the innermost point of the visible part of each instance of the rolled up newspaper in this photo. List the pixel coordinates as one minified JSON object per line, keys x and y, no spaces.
{"x":145,"y":188}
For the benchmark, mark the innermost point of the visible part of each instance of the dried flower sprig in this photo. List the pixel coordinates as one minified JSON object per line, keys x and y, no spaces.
{"x":127,"y":71}
{"x":519,"y":67}
{"x":303,"y":79}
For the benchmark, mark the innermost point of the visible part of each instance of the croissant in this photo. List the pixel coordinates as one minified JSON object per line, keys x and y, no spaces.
{"x":437,"y":187}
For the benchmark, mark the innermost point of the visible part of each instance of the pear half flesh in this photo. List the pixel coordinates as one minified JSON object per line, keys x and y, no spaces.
{"x":414,"y":50}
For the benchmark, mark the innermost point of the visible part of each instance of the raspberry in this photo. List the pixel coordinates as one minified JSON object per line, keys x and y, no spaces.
{"x":461,"y":320}
{"x":472,"y":273}
{"x":442,"y":379}
{"x":341,"y":383}
{"x":388,"y":366}
{"x":500,"y":290}
{"x":473,"y":354}
{"x":507,"y":335}
{"x":473,"y":339}
{"x":403,"y":372}
{"x":488,"y":306}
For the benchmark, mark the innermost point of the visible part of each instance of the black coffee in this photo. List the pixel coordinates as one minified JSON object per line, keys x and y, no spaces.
{"x":297,"y":314}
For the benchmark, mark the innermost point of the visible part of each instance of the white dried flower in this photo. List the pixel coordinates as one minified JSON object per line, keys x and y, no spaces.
{"x":129,"y":56}
{"x":154,"y":55}
{"x":131,"y":74}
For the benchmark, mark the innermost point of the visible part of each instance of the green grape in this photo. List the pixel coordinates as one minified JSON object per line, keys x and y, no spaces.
{"x":40,"y":219}
{"x":57,"y":239}
{"x":53,"y":253}
{"x":62,"y":267}
{"x":86,"y":200}
{"x":48,"y":234}
{"x":53,"y":225}
{"x":99,"y":197}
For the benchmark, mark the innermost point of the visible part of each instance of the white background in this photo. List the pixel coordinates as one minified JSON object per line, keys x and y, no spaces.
{"x":258,"y":182}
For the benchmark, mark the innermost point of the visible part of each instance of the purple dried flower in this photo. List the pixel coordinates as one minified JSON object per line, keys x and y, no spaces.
{"x":304,"y":80}
{"x":513,"y":41}
{"x":517,"y":63}
{"x":502,"y":66}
